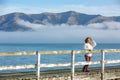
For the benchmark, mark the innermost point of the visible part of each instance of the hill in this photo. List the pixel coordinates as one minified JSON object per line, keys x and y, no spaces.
{"x":8,"y":22}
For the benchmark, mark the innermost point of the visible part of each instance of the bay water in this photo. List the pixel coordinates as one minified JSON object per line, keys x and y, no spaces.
{"x":52,"y":58}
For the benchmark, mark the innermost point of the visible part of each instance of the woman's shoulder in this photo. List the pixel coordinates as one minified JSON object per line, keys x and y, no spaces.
{"x":86,"y":44}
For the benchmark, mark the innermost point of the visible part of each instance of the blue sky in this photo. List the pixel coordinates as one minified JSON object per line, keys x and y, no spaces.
{"x":103,"y":7}
{"x":44,"y":3}
{"x":62,"y":34}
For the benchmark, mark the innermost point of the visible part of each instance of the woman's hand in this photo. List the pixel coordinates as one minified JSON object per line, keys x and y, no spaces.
{"x":89,"y":50}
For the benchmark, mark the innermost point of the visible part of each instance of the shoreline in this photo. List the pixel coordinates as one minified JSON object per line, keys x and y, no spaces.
{"x":111,"y":71}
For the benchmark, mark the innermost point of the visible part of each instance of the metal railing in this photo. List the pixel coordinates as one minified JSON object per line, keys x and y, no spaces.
{"x":38,"y":65}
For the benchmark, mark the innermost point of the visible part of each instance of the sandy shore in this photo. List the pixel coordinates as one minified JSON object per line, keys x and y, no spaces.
{"x":64,"y":74}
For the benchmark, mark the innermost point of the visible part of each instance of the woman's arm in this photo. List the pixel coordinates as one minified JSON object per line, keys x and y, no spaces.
{"x":93,"y":43}
{"x":86,"y":46}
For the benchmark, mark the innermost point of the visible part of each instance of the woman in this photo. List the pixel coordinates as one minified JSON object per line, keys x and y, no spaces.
{"x":89,"y":45}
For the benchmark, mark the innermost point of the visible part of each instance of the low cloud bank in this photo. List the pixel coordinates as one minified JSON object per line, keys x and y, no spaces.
{"x":106,"y":32}
{"x":104,"y":25}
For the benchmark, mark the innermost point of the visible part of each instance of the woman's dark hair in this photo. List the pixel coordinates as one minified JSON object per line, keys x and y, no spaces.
{"x":86,"y":40}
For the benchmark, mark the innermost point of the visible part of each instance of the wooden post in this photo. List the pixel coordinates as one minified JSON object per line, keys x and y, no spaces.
{"x":38,"y":65}
{"x":102,"y":65}
{"x":72,"y":65}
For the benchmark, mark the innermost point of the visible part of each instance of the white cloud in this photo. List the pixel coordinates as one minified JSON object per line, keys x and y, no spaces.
{"x":64,"y":33}
{"x":106,"y":32}
{"x":61,"y":35}
{"x":28,"y":24}
{"x":103,"y":10}
{"x":105,"y":25}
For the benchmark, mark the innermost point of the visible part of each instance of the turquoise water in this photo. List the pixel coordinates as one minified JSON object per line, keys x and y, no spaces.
{"x":26,"y":47}
{"x":15,"y":60}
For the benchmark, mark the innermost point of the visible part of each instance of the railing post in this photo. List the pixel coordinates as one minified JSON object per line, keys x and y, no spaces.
{"x":72,"y":65}
{"x":38,"y":65}
{"x":102,"y":65}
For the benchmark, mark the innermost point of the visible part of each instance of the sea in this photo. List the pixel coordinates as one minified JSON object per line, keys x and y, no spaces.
{"x":52,"y":58}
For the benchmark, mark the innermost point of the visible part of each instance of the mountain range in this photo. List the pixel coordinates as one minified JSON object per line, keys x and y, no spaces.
{"x":9,"y":22}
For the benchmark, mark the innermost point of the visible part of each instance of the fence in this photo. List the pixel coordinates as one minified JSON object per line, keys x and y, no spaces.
{"x":38,"y":65}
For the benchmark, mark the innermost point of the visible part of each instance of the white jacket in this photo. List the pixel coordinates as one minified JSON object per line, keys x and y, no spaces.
{"x":89,"y":46}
